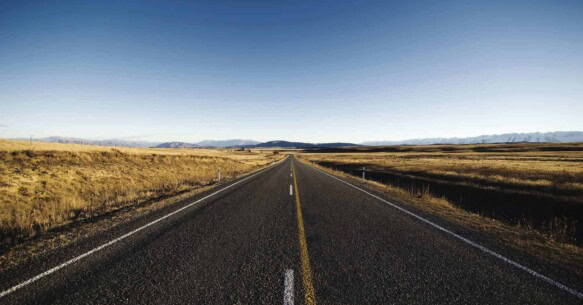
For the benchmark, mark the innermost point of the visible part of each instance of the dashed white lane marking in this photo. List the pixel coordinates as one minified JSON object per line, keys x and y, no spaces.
{"x":73,"y":260}
{"x":291,"y":190}
{"x":467,"y":241}
{"x":288,"y":288}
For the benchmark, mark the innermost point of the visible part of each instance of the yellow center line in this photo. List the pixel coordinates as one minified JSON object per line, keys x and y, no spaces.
{"x":310,"y":298}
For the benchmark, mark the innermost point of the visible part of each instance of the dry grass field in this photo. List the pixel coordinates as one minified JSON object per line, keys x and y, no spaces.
{"x":539,"y":186}
{"x":46,"y":185}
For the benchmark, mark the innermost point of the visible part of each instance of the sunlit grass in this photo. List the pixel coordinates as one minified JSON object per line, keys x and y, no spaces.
{"x":553,"y":173}
{"x":43,"y":185}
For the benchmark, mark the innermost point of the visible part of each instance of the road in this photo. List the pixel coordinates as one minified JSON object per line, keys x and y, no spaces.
{"x":257,"y":240}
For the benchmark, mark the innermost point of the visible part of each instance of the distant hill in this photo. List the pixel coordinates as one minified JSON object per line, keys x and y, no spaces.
{"x":336,"y":144}
{"x":206,"y":143}
{"x":226,"y":143}
{"x":108,"y":142}
{"x":127,"y":143}
{"x":533,"y":137}
{"x":286,"y":144}
{"x":176,"y":145}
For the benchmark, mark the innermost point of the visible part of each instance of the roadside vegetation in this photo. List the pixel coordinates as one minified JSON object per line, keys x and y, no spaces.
{"x":530,"y":195}
{"x":48,"y":185}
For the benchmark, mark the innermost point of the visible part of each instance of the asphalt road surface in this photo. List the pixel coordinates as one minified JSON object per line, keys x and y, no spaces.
{"x":289,"y":234}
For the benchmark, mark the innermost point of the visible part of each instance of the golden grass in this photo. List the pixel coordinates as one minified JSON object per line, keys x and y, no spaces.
{"x":45,"y":185}
{"x":552,"y":173}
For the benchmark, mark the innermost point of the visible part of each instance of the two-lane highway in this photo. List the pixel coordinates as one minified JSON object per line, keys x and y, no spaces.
{"x":290,"y":234}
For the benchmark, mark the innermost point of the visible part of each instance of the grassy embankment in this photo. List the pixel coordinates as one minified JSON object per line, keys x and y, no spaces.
{"x":530,"y":195}
{"x":47,"y":185}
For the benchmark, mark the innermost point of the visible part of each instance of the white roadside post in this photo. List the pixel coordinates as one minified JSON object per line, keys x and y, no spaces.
{"x":219,"y":178}
{"x":363,"y":169}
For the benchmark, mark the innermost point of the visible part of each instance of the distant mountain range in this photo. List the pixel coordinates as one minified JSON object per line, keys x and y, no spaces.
{"x":108,"y":142}
{"x":240,"y":143}
{"x":209,"y":143}
{"x":176,"y":145}
{"x":532,"y":137}
{"x":226,"y":143}
{"x":128,"y":143}
{"x":286,"y":144}
{"x":251,"y":144}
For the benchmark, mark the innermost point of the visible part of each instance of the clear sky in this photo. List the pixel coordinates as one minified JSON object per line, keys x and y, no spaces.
{"x":313,"y":71}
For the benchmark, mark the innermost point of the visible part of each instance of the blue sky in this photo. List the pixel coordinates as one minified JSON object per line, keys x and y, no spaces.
{"x":312,"y":71}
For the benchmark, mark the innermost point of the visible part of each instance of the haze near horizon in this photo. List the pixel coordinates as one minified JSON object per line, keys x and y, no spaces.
{"x":324,"y":71}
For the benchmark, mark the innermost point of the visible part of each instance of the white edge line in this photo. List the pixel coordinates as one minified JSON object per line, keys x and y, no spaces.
{"x":288,"y":288}
{"x":471,"y":243}
{"x":73,"y":260}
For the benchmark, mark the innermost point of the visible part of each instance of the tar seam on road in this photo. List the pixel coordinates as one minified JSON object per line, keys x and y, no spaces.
{"x":310,"y":298}
{"x":288,"y":287}
{"x":467,"y":241}
{"x":73,"y":260}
